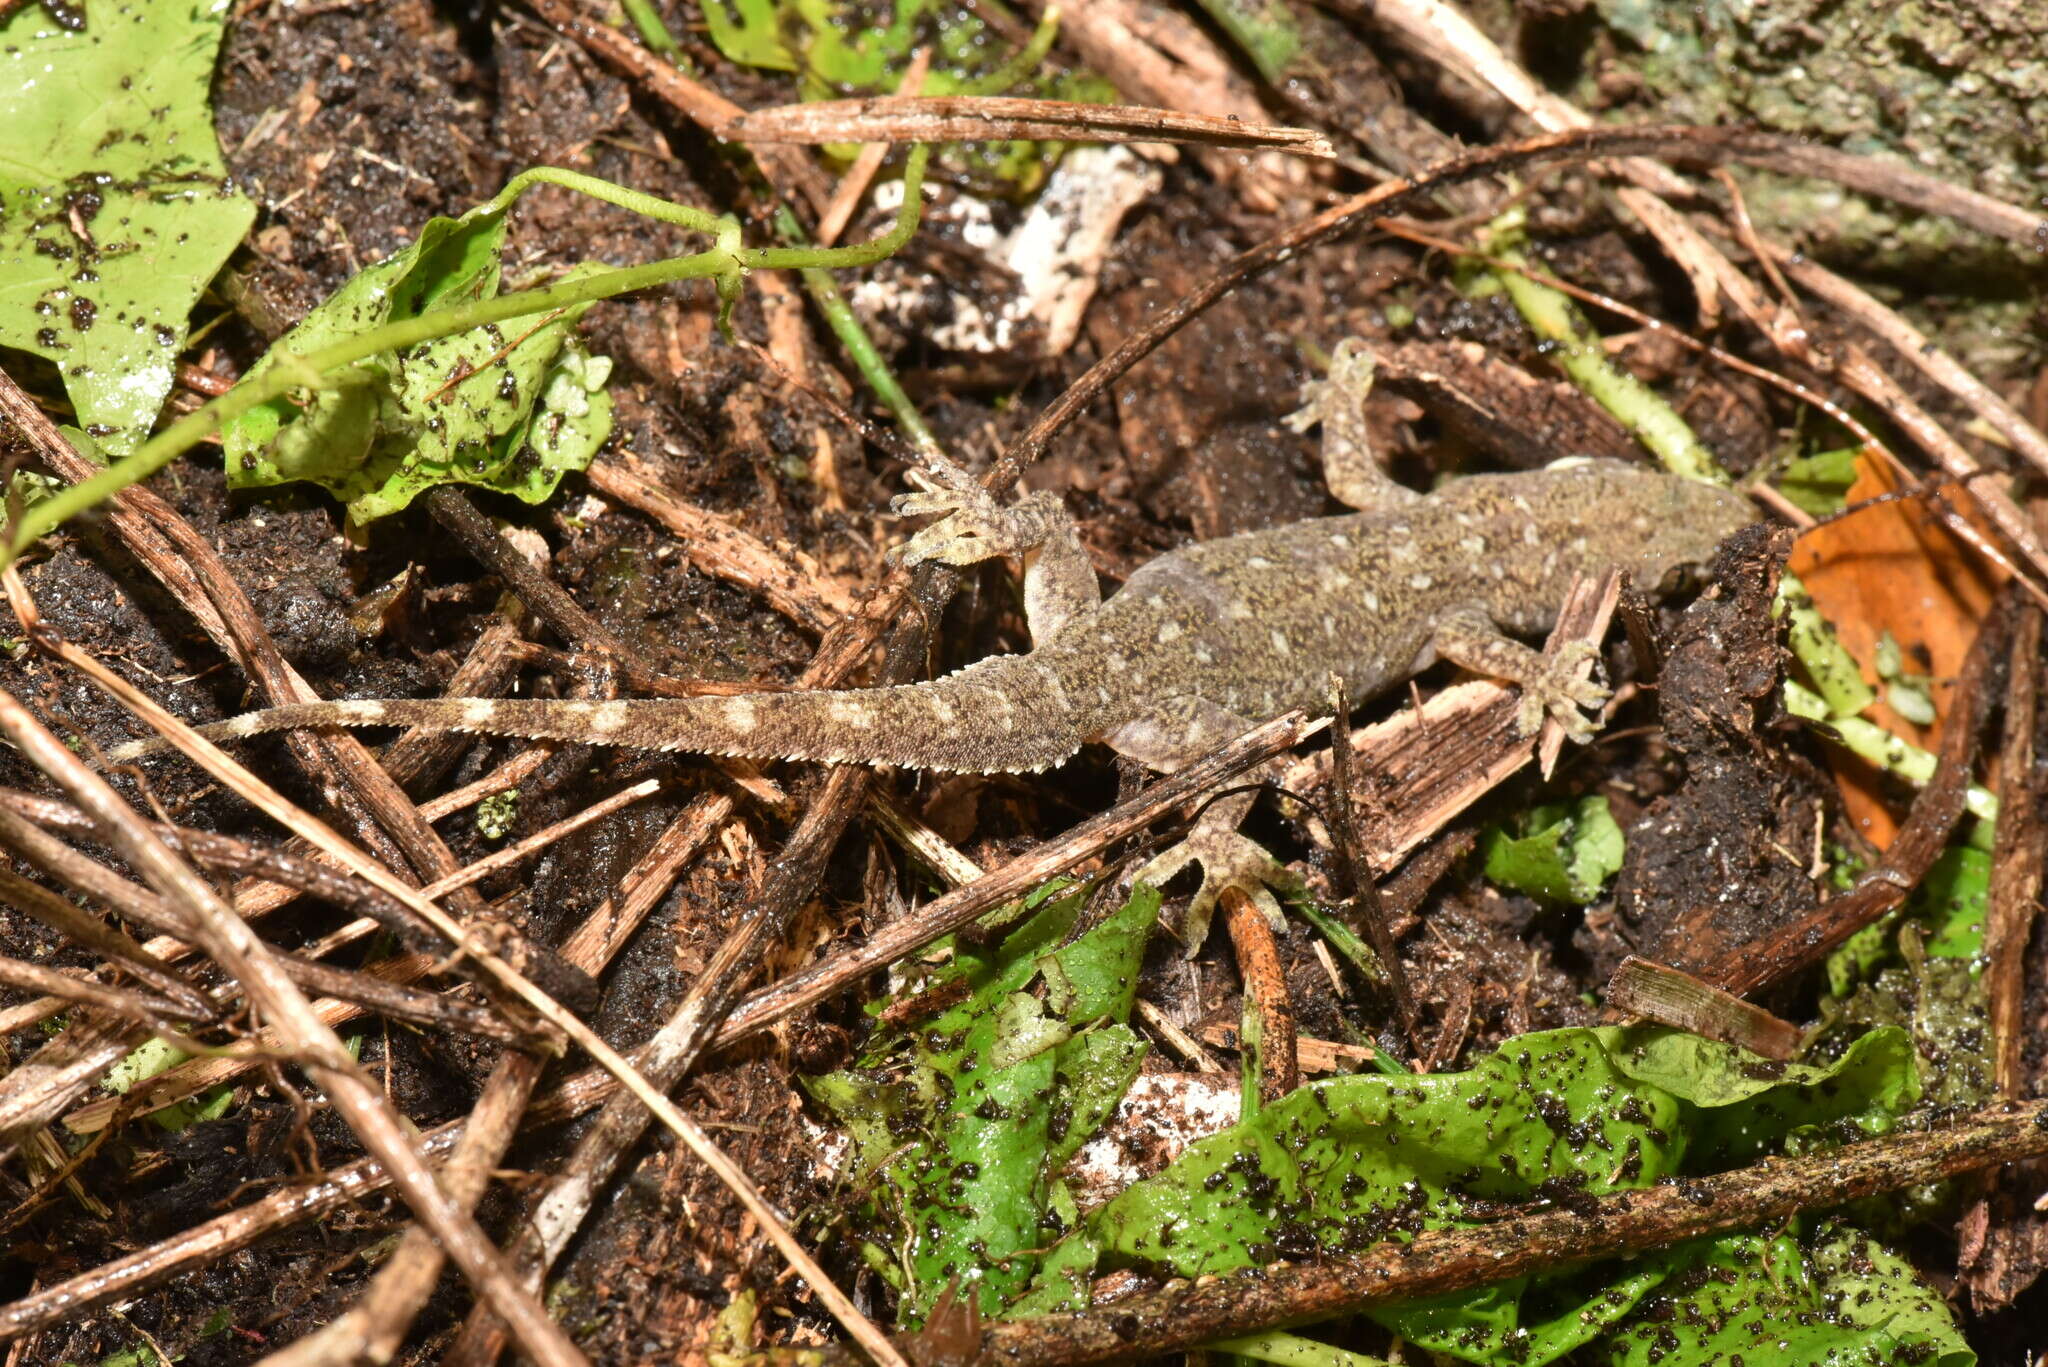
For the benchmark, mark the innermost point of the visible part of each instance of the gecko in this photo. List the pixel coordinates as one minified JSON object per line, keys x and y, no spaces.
{"x":1198,"y":645}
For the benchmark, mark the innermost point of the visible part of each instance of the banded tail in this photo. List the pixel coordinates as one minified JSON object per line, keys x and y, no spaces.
{"x":1007,"y":713}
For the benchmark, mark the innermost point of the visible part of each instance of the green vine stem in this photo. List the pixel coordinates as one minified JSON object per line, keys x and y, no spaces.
{"x":1574,"y":346}
{"x":726,"y":263}
{"x":853,"y":335}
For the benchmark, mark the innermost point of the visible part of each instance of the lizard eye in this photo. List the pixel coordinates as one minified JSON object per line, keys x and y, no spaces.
{"x":1683,"y":577}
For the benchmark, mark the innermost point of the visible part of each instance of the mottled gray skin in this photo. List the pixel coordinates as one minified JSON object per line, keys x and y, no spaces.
{"x":1260,"y":623}
{"x":1249,"y":625}
{"x":1200,"y":643}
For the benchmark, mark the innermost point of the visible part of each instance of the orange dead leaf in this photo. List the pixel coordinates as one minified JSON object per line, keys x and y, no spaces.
{"x":1893,"y":567}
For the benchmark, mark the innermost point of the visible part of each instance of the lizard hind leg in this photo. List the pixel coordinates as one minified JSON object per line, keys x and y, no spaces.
{"x":1166,"y":738}
{"x":1229,"y":860}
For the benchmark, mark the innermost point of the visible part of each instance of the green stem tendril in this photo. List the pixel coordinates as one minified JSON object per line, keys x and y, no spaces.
{"x":726,"y":263}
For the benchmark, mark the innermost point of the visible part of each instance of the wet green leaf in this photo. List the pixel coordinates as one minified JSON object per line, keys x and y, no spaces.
{"x":510,"y":408}
{"x":749,"y":32}
{"x":1835,"y":1298}
{"x":1888,"y":976}
{"x":1948,"y":907}
{"x":153,"y":1057}
{"x":961,"y":1123}
{"x":1825,"y":660}
{"x":1951,"y":900}
{"x":1264,"y":30}
{"x":1345,"y":1163}
{"x":115,"y":207}
{"x":1561,"y":853}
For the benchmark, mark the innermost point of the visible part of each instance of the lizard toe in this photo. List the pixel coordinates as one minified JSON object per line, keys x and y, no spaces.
{"x":1559,"y":693}
{"x":1228,"y":860}
{"x":948,"y":542}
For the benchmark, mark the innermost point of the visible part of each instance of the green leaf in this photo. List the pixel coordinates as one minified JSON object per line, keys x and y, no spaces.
{"x":751,"y":36}
{"x":1564,"y":855}
{"x":1823,"y":657}
{"x":1835,"y":1297}
{"x":510,"y":408}
{"x":1951,"y":901}
{"x":1943,"y":1003}
{"x":961,"y":1123}
{"x":1819,"y":484}
{"x":142,"y":1063}
{"x":1948,"y":907}
{"x":115,"y":207}
{"x":1347,"y":1162}
{"x":1264,"y":30}
{"x":1744,"y":1107}
{"x":211,"y":1104}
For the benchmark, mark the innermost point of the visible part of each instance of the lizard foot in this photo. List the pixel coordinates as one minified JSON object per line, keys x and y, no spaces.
{"x":974,"y":527}
{"x":1228,"y":860}
{"x":1340,"y":392}
{"x":1559,"y":692}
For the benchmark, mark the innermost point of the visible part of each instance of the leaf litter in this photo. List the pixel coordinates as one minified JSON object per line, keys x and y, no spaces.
{"x":962,"y":1123}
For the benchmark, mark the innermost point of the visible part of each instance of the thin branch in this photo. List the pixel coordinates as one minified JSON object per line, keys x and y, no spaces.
{"x":787,"y":168}
{"x":721,"y":550}
{"x":90,"y":933}
{"x":204,"y":1243}
{"x":1902,"y":184}
{"x":1914,"y":347}
{"x":223,"y":767}
{"x":1396,"y":197}
{"x":853,"y":186}
{"x":675,"y":1047}
{"x":949,"y":913}
{"x":1265,"y":993}
{"x":149,"y":1012}
{"x":955,"y":118}
{"x":2016,"y":858}
{"x":384,"y":1314}
{"x":1455,"y":41}
{"x":34,"y":1092}
{"x":229,"y":854}
{"x":1186,"y":1315}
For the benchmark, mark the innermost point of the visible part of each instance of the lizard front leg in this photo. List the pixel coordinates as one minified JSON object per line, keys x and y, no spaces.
{"x":1550,"y":681}
{"x":1165,"y":738}
{"x":1059,"y":581}
{"x":1337,"y":401}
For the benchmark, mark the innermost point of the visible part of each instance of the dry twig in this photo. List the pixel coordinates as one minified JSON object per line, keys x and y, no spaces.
{"x":230,"y":943}
{"x":953,"y":118}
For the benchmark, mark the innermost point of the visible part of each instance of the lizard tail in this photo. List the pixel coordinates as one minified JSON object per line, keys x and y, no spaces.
{"x":1003,"y":714}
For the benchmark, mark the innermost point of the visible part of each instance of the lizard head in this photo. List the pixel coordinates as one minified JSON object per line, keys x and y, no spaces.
{"x":1661,"y":522}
